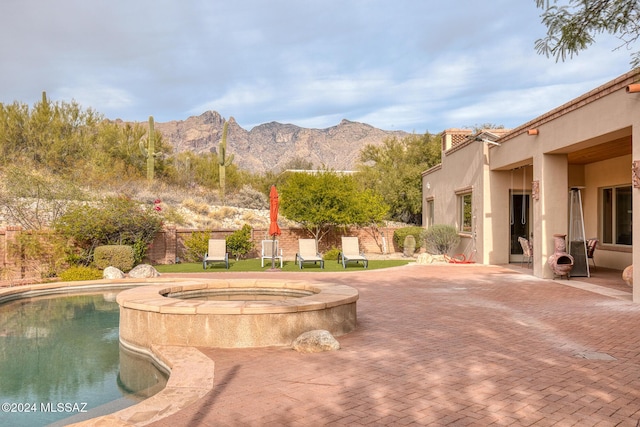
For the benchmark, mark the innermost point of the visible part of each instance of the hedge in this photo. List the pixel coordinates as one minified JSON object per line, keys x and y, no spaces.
{"x":118,"y":256}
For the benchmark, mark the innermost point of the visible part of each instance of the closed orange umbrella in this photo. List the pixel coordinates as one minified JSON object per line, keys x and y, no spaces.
{"x":274,"y":228}
{"x":274,"y":205}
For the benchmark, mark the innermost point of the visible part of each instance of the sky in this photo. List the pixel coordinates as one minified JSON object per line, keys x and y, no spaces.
{"x":413,"y":65}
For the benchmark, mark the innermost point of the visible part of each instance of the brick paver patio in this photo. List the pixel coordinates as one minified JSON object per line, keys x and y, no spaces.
{"x":458,"y":345}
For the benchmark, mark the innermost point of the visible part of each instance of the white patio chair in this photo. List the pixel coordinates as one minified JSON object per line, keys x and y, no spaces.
{"x":217,"y":253}
{"x":270,"y":247}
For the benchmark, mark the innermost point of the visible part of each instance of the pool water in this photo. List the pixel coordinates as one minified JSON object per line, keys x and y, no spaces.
{"x":60,"y":357}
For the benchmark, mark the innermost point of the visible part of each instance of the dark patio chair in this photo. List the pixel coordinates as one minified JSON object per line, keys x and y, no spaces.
{"x":591,"y":248}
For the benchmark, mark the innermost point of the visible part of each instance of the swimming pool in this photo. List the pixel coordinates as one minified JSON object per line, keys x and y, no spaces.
{"x":60,"y":357}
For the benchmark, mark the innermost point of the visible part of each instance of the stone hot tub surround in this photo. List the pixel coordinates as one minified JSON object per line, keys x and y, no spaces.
{"x":179,"y":314}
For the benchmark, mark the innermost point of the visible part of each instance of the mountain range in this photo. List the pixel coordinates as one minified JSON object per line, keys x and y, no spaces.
{"x":271,"y":146}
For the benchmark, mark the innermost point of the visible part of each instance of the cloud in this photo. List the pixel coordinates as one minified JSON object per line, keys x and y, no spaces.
{"x":398,"y":65}
{"x":111,"y":98}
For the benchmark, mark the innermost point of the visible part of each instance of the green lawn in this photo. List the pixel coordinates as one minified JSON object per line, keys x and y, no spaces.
{"x":254,"y":265}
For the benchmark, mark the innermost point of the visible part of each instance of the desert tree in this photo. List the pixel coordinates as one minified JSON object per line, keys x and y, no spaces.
{"x":33,"y":199}
{"x":572,"y":25}
{"x":369,"y":213}
{"x":117,"y":154}
{"x":55,"y":135}
{"x":324,"y":199}
{"x":393,"y":170}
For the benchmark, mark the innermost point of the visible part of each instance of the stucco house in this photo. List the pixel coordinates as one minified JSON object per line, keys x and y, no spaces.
{"x":497,"y":185}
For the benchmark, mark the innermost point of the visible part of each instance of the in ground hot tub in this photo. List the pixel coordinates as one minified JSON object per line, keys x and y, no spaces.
{"x":234,"y":313}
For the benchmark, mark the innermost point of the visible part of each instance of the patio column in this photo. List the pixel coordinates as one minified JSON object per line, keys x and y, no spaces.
{"x":635,"y":194}
{"x":550,"y":212}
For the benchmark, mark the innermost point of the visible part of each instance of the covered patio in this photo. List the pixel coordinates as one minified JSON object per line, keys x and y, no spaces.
{"x":518,"y":182}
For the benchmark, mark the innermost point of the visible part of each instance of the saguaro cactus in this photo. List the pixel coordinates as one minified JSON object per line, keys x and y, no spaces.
{"x":223,"y":160}
{"x":149,"y":151}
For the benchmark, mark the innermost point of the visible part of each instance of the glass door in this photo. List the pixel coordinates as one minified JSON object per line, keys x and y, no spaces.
{"x":519,"y":223}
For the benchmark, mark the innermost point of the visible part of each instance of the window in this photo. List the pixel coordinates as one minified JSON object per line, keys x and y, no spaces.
{"x":616,"y":215}
{"x":464,"y":212}
{"x":430,"y":213}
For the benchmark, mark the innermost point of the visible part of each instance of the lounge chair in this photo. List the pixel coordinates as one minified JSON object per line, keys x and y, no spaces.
{"x":351,"y":252}
{"x":307,"y":253}
{"x":527,"y":251}
{"x":217,"y":253}
{"x":269,"y":248}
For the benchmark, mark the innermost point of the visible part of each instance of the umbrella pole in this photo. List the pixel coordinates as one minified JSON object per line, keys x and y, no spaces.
{"x":273,"y":254}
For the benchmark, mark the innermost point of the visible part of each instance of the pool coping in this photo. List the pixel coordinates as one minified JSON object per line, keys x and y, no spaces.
{"x":154,"y":298}
{"x":191,"y":378}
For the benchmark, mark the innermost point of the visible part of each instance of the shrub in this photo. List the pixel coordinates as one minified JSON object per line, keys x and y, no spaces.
{"x":80,"y":273}
{"x":239,"y":243}
{"x":173,"y":216}
{"x":222,"y":212}
{"x":250,"y":198}
{"x":201,"y":208}
{"x":112,"y":221}
{"x":401,"y":233}
{"x":196,"y":246}
{"x":118,"y":256}
{"x":331,"y":254}
{"x":250,"y":216}
{"x":441,"y":239}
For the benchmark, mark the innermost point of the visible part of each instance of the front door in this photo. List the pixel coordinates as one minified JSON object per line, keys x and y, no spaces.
{"x":519,"y":220}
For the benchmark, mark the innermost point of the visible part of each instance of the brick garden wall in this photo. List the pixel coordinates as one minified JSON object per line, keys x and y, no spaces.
{"x":13,"y":268}
{"x":169,"y":244}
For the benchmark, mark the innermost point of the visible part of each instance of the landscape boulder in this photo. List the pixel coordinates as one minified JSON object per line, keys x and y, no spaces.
{"x":427,"y":258}
{"x":112,"y":273}
{"x":143,"y":271}
{"x":315,"y":342}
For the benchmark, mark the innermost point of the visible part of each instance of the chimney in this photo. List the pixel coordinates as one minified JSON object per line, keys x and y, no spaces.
{"x":453,"y":137}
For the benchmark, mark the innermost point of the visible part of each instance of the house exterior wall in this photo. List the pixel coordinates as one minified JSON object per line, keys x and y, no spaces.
{"x":552,"y":157}
{"x":470,"y":163}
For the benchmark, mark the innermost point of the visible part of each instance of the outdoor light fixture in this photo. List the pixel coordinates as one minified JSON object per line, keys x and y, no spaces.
{"x":635,"y":173}
{"x":533,"y":132}
{"x":633,"y":88}
{"x":535,"y":190}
